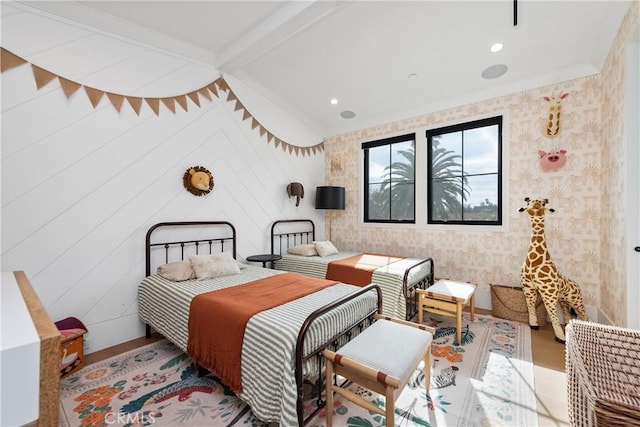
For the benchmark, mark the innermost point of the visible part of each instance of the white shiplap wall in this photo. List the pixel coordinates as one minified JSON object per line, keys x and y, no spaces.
{"x":80,"y":186}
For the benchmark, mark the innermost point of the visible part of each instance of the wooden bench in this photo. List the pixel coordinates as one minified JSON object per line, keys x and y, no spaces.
{"x":381,"y":358}
{"x":448,"y":298}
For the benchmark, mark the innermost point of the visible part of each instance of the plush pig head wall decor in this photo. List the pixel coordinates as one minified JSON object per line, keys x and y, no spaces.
{"x":295,"y":189}
{"x":552,"y":160}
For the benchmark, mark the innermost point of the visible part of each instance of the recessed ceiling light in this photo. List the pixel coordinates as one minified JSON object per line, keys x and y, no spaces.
{"x":496,"y":47}
{"x":347,"y":114}
{"x":494,"y":71}
{"x":333,"y":101}
{"x":413,"y":76}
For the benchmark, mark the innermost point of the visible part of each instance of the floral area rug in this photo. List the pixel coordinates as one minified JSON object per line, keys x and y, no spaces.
{"x":486,"y":380}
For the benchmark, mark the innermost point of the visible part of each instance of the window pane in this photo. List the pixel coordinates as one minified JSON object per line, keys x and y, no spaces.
{"x":378,"y":162}
{"x":447,"y":154}
{"x":481,"y":150}
{"x":446,"y":202}
{"x":378,"y":205}
{"x":402,"y":204}
{"x":390,"y":179}
{"x":482,"y":202}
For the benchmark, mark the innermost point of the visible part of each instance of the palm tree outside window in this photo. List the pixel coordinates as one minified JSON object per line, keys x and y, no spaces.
{"x":390,"y":181}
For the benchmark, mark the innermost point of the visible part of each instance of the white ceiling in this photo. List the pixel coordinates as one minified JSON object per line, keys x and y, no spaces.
{"x":300,"y":54}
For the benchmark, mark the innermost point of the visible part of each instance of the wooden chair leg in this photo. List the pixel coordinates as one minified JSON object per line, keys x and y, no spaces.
{"x":420,"y":313}
{"x":329,"y":396}
{"x":473,"y":305}
{"x":459,"y":323}
{"x":389,"y":406}
{"x":427,"y":369}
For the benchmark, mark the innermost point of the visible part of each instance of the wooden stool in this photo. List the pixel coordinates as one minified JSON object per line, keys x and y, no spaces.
{"x":448,"y":298}
{"x":382,"y":359}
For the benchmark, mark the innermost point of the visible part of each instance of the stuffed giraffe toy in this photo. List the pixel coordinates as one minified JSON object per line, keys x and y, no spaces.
{"x":540,"y":275}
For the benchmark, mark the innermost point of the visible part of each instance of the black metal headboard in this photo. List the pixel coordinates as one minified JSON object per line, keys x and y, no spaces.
{"x":204,"y":237}
{"x":291,"y":232}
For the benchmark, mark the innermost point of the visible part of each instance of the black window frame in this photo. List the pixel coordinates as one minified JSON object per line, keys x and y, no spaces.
{"x":379,"y":143}
{"x":461,"y":127}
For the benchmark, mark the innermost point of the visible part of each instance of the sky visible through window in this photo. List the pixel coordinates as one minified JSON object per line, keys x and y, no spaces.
{"x":480,"y":157}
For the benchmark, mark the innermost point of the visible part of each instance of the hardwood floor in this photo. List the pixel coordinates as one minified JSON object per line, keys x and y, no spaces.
{"x":548,"y":360}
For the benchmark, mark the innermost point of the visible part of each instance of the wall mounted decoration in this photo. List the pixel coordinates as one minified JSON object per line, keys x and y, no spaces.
{"x":295,"y":189}
{"x":42,"y":77}
{"x":198,"y":180}
{"x":553,"y":124}
{"x":552,"y":160}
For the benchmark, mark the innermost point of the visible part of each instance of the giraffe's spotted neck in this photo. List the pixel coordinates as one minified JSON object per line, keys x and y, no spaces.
{"x":537,"y":252}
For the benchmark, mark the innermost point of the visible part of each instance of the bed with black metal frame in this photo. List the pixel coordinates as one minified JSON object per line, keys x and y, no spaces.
{"x":398,"y":280}
{"x":324,"y":319}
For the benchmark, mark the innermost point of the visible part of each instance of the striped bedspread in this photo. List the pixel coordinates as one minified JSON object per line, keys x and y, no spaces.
{"x":268,"y":349}
{"x":389,"y":277}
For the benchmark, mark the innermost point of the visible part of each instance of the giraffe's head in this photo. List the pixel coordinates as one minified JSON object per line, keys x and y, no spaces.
{"x":555,"y":100}
{"x":535,"y":207}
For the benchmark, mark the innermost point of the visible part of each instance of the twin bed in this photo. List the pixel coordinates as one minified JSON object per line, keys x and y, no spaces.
{"x":282,"y":343}
{"x":282,"y":346}
{"x":398,"y":277}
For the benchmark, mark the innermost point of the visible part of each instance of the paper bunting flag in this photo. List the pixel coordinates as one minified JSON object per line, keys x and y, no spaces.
{"x":43,"y":77}
{"x":8,"y":60}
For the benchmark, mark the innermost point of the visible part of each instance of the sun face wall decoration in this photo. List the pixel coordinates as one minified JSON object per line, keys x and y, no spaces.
{"x":198,"y":180}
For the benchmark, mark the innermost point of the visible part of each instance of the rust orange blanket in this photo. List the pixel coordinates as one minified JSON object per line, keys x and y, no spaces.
{"x":358,"y":269}
{"x":217,"y":319}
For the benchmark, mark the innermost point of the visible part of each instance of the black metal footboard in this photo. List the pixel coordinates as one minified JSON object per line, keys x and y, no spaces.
{"x":409,"y":290}
{"x":334,"y":342}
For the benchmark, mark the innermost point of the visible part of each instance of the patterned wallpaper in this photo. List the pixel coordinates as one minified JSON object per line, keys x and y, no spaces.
{"x":613,"y":274}
{"x":573,"y":231}
{"x":584,"y":234}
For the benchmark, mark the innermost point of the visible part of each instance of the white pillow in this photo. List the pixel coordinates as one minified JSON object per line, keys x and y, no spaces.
{"x":177,"y":271}
{"x":325,"y":248}
{"x":208,"y":266}
{"x":304,"y":250}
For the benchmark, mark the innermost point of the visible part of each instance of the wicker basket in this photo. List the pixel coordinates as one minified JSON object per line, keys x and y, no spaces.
{"x":508,"y":302}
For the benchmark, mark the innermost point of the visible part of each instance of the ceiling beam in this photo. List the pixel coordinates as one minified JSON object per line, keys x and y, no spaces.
{"x":286,"y":22}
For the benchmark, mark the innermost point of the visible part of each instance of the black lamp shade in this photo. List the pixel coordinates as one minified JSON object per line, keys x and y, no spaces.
{"x":329,"y":197}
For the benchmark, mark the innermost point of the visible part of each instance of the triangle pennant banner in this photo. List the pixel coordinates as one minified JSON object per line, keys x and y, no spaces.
{"x":136,"y":103}
{"x":94,"y":95}
{"x":205,"y":92}
{"x":194,"y":97}
{"x":222,"y":84}
{"x":170,"y":104}
{"x":42,"y":76}
{"x":154,"y":104}
{"x":116,"y":100}
{"x":68,"y":87}
{"x":8,"y":60}
{"x":182,"y":101}
{"x":213,"y":89}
